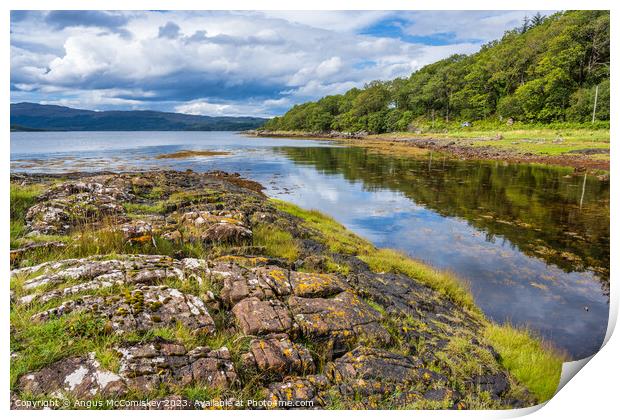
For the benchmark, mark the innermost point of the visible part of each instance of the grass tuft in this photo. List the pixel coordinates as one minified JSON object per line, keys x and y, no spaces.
{"x":388,"y":260}
{"x":276,"y":242}
{"x":534,"y":363}
{"x":22,"y":198}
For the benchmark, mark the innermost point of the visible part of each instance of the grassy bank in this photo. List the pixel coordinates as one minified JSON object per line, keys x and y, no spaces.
{"x":533,"y":362}
{"x":546,"y":141}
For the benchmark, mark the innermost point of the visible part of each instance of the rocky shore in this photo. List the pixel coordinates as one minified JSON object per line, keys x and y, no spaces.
{"x":581,"y":160}
{"x":178,"y":287}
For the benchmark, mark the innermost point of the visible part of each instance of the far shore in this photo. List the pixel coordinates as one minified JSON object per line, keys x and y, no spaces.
{"x":582,"y":149}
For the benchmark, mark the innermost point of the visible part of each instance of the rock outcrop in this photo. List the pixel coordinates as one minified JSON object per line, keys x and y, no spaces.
{"x":184,"y":301}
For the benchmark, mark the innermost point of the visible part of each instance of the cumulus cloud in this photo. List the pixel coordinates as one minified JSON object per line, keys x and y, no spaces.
{"x":169,"y":30}
{"x":227,"y":63}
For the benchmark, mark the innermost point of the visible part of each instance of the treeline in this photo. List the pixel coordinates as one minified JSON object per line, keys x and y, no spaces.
{"x":547,"y":70}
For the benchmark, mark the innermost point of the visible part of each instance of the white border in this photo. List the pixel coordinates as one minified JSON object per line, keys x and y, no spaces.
{"x":592,"y":394}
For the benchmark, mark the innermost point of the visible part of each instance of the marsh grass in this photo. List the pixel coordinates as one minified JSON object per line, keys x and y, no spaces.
{"x":275,"y":242}
{"x":532,"y":361}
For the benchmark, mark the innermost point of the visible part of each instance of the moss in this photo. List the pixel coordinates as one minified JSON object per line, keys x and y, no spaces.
{"x":159,"y":207}
{"x":533,"y":362}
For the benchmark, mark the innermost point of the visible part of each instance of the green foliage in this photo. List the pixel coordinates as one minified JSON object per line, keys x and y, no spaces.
{"x":545,"y":71}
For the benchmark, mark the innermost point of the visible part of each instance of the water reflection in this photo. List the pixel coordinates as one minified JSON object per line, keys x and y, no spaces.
{"x":532,"y":243}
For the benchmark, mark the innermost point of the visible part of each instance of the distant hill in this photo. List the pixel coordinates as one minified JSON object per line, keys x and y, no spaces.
{"x":26,"y":116}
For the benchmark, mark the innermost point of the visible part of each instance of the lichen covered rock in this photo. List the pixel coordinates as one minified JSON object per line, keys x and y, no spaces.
{"x":79,"y":377}
{"x":145,"y":366}
{"x":340,"y":320}
{"x":279,"y":355}
{"x":139,"y":310}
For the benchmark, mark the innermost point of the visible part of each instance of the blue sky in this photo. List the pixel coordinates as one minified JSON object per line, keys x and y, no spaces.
{"x":229,"y":63}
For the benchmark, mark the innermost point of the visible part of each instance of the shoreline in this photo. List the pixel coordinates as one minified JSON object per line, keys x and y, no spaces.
{"x":171,"y":228}
{"x":462,"y":148}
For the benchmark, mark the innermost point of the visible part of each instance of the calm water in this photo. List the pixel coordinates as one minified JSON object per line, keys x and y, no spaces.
{"x":532,"y":241}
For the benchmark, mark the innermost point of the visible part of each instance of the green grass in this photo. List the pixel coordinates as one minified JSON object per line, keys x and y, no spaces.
{"x":22,"y":198}
{"x":341,"y":240}
{"x":533,"y":362}
{"x":545,"y":140}
{"x":276,"y":242}
{"x":388,"y":260}
{"x":536,"y":140}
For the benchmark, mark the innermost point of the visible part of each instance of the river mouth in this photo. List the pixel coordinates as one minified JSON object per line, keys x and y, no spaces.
{"x":531,"y":241}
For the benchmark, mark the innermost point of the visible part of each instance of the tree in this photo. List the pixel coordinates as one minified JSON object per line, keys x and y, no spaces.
{"x":545,"y":70}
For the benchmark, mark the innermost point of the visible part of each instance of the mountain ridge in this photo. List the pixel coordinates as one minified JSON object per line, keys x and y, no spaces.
{"x":28,"y":116}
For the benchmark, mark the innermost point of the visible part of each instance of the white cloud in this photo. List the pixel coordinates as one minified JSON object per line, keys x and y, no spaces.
{"x":226,"y":63}
{"x":334,"y":20}
{"x":465,"y":25}
{"x":233,"y":108}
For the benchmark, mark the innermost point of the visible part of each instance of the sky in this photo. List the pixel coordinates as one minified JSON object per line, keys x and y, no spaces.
{"x":229,"y":63}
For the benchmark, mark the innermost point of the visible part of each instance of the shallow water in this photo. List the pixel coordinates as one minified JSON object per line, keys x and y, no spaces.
{"x":531,"y":241}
